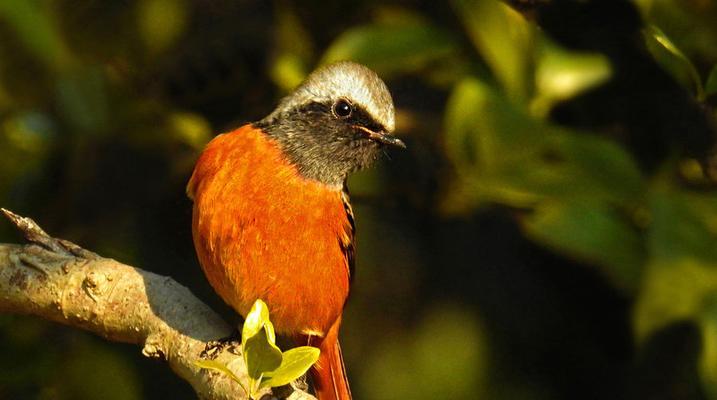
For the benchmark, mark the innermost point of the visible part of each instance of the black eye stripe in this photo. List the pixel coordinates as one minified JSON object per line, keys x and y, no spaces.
{"x":359,"y":116}
{"x":313,"y":107}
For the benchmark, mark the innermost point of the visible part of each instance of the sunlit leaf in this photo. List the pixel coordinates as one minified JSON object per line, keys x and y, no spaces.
{"x":256,"y":319}
{"x":461,"y":118}
{"x":474,"y":115}
{"x":590,"y":232}
{"x":682,"y":272}
{"x":484,"y":129}
{"x":261,"y":355}
{"x":221,"y":368}
{"x":288,"y":71}
{"x":392,"y":49}
{"x":673,"y":60}
{"x":672,"y":291}
{"x":562,"y":74}
{"x":294,"y":363}
{"x":504,"y":39}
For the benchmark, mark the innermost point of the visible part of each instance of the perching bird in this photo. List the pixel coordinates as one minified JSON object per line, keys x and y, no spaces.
{"x":272,"y":218}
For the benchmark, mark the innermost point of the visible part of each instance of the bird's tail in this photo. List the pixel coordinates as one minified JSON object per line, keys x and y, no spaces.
{"x":329,"y":373}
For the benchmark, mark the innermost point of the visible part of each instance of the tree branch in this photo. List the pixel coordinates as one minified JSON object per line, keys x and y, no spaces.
{"x":62,"y":282}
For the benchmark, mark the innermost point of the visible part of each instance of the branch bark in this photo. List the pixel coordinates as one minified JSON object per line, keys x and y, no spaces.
{"x":59,"y":281}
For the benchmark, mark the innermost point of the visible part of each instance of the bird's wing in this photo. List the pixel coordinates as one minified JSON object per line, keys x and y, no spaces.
{"x":347,"y":241}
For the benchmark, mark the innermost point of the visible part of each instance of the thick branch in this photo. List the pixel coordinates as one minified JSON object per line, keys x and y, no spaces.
{"x":59,"y":281}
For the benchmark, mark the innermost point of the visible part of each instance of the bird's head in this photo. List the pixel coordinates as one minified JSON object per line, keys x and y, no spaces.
{"x":335,"y":122}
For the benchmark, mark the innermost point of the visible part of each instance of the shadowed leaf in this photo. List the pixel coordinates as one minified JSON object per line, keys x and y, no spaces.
{"x":592,"y":233}
{"x":711,"y":85}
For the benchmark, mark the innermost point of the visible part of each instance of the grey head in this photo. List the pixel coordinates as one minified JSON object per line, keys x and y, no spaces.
{"x":335,"y":122}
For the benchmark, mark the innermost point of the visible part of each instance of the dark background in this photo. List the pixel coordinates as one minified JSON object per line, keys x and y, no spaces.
{"x":550,"y":232}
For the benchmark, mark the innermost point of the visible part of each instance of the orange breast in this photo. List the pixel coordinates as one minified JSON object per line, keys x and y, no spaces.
{"x":263,"y":231}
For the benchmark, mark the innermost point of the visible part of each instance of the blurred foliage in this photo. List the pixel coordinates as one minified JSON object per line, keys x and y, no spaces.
{"x":549,"y":233}
{"x":447,"y":352}
{"x":672,"y":59}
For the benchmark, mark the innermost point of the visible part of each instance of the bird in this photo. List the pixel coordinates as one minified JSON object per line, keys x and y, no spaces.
{"x":271,"y":215}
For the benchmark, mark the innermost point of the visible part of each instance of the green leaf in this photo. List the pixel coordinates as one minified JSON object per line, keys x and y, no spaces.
{"x":591,"y":232}
{"x":672,"y":59}
{"x":484,"y":132}
{"x":591,"y":166}
{"x":684,"y":226}
{"x":288,"y":71}
{"x":672,"y":291}
{"x":680,"y":281}
{"x":257,"y":318}
{"x":711,"y":85}
{"x":562,"y":74}
{"x":393,"y":49}
{"x":504,"y":39}
{"x":295,"y":362}
{"x":708,"y":357}
{"x":261,"y":355}
{"x":461,"y":121}
{"x":502,"y":154}
{"x":219,"y":367}
{"x":681,"y":277}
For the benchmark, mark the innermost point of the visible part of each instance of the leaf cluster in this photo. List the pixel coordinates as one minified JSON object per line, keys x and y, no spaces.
{"x":266,"y":365}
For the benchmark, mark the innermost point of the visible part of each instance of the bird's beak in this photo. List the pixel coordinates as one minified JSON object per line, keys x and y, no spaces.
{"x":382,"y":137}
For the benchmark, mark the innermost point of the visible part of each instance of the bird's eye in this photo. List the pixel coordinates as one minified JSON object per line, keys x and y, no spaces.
{"x":342,"y":108}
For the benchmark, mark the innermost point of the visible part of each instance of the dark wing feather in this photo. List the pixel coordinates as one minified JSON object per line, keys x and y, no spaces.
{"x":348,"y":242}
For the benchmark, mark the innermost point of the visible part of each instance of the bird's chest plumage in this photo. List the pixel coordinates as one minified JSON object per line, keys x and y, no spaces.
{"x":263,"y":231}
